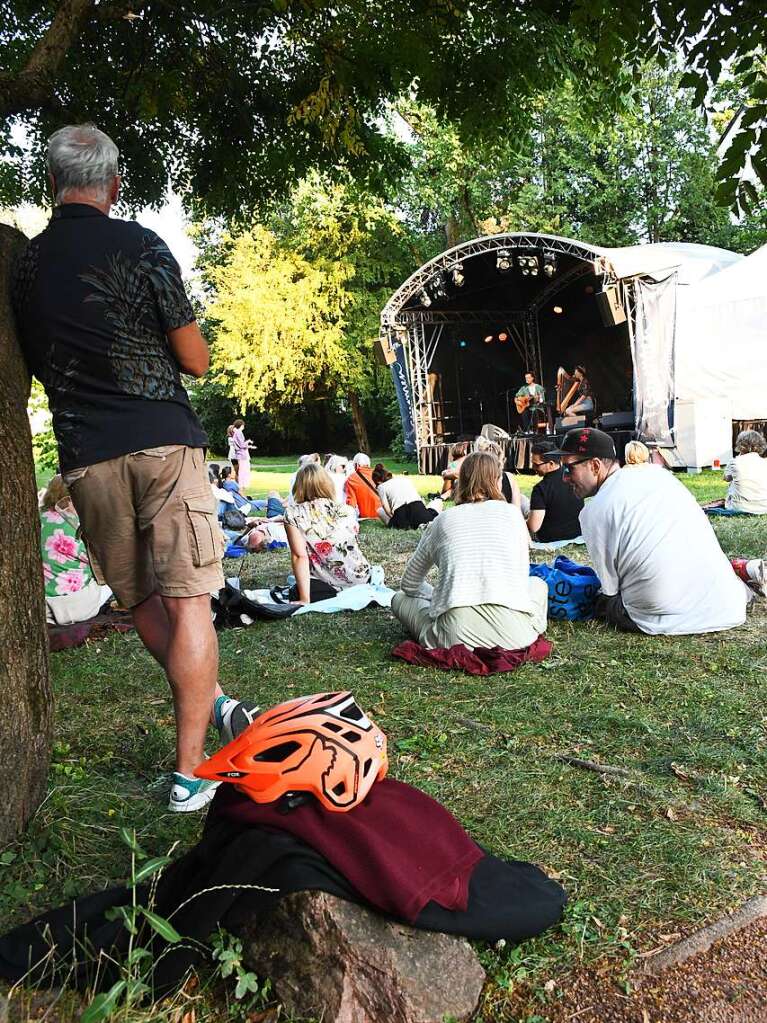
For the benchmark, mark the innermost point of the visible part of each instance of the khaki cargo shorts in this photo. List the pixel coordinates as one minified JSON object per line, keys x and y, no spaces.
{"x":149,"y":522}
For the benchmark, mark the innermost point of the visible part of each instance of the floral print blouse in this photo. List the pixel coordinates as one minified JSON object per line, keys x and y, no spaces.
{"x":65,"y":563}
{"x":330,"y":531}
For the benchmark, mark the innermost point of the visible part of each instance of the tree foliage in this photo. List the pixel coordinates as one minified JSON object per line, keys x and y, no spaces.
{"x":295,"y":304}
{"x":642,"y":173}
{"x":236,"y":102}
{"x":277,"y":321}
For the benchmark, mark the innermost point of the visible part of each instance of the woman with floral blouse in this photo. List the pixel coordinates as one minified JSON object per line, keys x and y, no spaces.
{"x":71,"y":592}
{"x":322,"y":535}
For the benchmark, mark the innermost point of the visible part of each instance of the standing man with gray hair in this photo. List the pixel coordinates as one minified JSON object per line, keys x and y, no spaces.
{"x":107,"y":327}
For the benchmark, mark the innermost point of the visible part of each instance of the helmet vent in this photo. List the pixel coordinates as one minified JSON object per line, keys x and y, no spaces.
{"x":351,"y":712}
{"x":351,"y":736}
{"x":339,"y":789}
{"x":366,"y":768}
{"x":331,"y":727}
{"x":276,"y":754}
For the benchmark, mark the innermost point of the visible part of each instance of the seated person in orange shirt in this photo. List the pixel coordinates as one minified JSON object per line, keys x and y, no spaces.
{"x":361,"y":492}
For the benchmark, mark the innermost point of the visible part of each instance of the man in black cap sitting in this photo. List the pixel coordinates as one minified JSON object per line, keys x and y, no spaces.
{"x":660,"y":565}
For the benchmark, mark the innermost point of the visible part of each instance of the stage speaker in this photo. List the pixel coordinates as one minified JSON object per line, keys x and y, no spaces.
{"x":569,"y":422}
{"x":384,"y":351}
{"x":610,"y":307}
{"x":616,"y":421}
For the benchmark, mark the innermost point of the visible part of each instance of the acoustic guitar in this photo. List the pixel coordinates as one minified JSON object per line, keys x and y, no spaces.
{"x":522,"y":402}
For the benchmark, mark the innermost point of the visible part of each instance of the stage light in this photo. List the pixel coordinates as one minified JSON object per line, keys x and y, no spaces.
{"x":528,"y":265}
{"x":503,"y":260}
{"x":503,"y":337}
{"x":439,"y":289}
{"x":456,"y":274}
{"x":463,"y":344}
{"x":549,"y":263}
{"x":424,"y":298}
{"x":488,"y":339}
{"x":558,"y":310}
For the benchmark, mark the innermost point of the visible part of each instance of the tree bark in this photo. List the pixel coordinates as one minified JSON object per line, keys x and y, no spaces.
{"x":452,"y":231}
{"x":358,"y":421}
{"x":26,"y":721}
{"x":34,"y":86}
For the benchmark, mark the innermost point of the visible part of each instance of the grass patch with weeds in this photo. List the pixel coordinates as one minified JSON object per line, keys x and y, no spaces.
{"x":668,"y":846}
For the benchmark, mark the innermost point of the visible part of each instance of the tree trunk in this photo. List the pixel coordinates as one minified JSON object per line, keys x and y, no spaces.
{"x":452,"y":231}
{"x":358,"y":420}
{"x":25,"y":724}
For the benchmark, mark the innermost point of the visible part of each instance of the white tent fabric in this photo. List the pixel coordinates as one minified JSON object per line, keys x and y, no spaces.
{"x":721,"y":338}
{"x":692,"y":263}
{"x":652,"y":351}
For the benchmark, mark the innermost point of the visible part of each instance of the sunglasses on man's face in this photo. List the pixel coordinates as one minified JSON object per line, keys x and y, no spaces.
{"x":566,"y":469}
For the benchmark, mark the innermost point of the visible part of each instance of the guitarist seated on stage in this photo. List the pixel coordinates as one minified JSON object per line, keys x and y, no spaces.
{"x":530,"y":400}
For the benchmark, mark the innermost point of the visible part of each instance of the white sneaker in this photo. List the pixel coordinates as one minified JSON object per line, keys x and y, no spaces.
{"x":757,"y":575}
{"x":232,"y":717}
{"x":189,"y":794}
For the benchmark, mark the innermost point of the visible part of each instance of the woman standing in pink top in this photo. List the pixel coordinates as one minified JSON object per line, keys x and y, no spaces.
{"x":242,"y":454}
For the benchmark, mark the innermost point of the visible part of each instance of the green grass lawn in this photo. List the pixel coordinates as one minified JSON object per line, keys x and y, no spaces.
{"x":274,"y":473}
{"x":664,"y":849}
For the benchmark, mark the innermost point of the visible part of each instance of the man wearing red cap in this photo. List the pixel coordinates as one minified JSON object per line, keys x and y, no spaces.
{"x":660,"y":565}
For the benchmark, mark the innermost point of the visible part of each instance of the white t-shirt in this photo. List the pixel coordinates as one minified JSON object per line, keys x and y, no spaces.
{"x":395,"y":493}
{"x":482,"y":554}
{"x":649,"y":540}
{"x":748,"y":489}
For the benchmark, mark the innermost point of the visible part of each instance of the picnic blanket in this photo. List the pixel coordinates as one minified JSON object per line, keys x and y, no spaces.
{"x":353,"y":598}
{"x":724,"y":511}
{"x":66,"y":637}
{"x":480,"y":661}
{"x":554,"y":545}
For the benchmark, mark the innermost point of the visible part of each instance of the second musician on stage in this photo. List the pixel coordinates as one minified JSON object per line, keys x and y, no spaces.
{"x":530,"y":402}
{"x":574,"y":394}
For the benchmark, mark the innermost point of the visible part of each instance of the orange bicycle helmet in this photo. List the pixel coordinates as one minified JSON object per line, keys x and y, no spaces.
{"x":321,"y":744}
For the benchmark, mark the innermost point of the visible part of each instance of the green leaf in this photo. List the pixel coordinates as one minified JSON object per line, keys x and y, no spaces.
{"x":128,"y":836}
{"x":752,"y":116}
{"x":150,"y":867}
{"x":246,"y":982}
{"x":137,"y":954}
{"x":725,"y":193}
{"x":749,"y":196}
{"x":126,"y":914}
{"x":163,"y":927}
{"x":104,"y":1004}
{"x":759,"y":164}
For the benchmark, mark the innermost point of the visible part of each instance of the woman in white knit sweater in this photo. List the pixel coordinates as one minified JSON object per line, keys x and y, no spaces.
{"x":484,"y":596}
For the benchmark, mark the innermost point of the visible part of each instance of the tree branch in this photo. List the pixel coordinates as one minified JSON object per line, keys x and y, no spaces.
{"x":33,"y":86}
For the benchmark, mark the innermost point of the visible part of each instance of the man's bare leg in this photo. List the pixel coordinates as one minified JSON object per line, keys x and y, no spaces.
{"x":151,"y":621}
{"x":192,"y":670}
{"x":153,"y":626}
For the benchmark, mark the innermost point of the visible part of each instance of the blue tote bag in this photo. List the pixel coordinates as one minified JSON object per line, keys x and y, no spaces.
{"x":573,"y":588}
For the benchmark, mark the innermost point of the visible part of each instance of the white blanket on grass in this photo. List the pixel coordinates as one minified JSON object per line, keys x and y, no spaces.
{"x":554,"y":545}
{"x":353,"y":598}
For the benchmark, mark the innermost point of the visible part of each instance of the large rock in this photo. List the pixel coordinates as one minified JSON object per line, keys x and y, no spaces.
{"x":336,"y":961}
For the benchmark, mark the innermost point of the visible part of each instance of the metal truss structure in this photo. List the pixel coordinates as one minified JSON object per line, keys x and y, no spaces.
{"x":420,"y":330}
